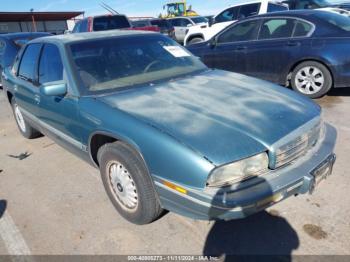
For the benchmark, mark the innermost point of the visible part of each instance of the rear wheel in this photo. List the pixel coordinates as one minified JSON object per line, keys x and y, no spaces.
{"x":25,"y":129}
{"x":128,"y":184}
{"x":311,"y":79}
{"x":195,"y":40}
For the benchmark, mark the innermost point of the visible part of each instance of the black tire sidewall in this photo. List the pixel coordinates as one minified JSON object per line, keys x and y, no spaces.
{"x":194,"y":40}
{"x":148,"y":208}
{"x":328,"y":80}
{"x":29,"y":131}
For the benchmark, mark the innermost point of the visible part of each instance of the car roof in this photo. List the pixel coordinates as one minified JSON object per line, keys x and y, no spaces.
{"x":77,"y":37}
{"x":244,"y":2}
{"x":105,"y":15}
{"x":301,"y":13}
{"x":24,"y":34}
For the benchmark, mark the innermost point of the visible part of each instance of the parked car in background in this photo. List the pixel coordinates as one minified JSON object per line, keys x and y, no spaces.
{"x":164,"y":25}
{"x":10,"y":44}
{"x":315,"y":4}
{"x":303,"y":48}
{"x":165,"y":131}
{"x":182,"y":24}
{"x":229,"y":15}
{"x":337,"y":11}
{"x":107,"y":22}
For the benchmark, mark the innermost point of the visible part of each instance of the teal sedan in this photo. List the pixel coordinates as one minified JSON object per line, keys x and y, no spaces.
{"x":166,"y":132}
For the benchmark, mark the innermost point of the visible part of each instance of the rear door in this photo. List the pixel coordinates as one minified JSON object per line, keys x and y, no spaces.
{"x":24,"y":84}
{"x":58,"y":114}
{"x":279,"y":42}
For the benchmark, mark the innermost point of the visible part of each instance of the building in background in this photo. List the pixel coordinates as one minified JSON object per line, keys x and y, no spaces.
{"x":52,"y":22}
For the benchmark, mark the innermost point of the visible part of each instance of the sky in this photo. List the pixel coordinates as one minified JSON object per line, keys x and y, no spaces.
{"x":128,"y":7}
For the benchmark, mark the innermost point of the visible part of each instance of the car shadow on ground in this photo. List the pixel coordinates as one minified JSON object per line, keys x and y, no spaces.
{"x":264,"y":233}
{"x":339,"y":92}
{"x":3,"y":205}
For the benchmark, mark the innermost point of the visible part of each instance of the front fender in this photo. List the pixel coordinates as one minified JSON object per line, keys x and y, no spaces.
{"x":164,"y":156}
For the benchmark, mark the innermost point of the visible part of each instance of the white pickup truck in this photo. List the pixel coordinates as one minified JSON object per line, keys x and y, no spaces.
{"x":229,"y":15}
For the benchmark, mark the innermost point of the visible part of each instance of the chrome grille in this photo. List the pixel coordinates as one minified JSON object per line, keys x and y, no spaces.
{"x":298,"y":146}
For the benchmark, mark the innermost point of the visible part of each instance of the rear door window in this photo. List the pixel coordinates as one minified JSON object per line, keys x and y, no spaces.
{"x":248,"y":10}
{"x":2,"y":47}
{"x":76,"y":28}
{"x":110,"y":22}
{"x":50,"y":66}
{"x":27,"y":69}
{"x":275,"y":8}
{"x":2,"y":50}
{"x":241,"y":32}
{"x":227,"y":15}
{"x":184,"y":22}
{"x":276,"y":28}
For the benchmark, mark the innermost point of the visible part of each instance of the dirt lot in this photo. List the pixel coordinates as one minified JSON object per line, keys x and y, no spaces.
{"x":53,"y":203}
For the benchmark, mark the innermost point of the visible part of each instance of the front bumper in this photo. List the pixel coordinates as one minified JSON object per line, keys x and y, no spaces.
{"x":251,"y":196}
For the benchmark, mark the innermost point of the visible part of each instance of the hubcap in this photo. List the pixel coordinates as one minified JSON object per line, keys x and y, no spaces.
{"x":122,"y":185}
{"x":20,"y":119}
{"x":309,"y":80}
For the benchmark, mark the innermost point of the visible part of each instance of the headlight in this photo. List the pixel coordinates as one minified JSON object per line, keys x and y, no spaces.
{"x":238,"y":171}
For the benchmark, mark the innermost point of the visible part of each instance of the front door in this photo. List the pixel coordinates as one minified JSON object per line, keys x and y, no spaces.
{"x":57,"y":114}
{"x":229,"y":53}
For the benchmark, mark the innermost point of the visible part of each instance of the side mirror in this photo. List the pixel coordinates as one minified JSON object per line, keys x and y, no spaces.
{"x":213,"y":42}
{"x":211,"y":21}
{"x":189,"y":25}
{"x":58,"y":88}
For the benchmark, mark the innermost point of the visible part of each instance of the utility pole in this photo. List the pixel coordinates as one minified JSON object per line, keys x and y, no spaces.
{"x":33,"y":19}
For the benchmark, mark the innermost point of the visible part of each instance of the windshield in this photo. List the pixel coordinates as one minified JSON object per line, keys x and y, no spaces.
{"x":340,"y":21}
{"x":116,"y":63}
{"x":199,"y":19}
{"x":110,"y":22}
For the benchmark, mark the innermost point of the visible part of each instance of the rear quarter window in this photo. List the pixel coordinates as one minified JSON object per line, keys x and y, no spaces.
{"x":302,"y":29}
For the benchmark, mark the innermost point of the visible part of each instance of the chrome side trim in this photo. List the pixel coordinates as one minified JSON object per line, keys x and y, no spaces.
{"x":56,"y":132}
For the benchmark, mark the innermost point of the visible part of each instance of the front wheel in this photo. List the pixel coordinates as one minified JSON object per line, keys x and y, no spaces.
{"x":24,"y":127}
{"x":128,"y":184}
{"x":311,"y":79}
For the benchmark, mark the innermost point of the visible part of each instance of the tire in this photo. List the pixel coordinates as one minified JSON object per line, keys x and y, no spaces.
{"x":195,"y":40}
{"x":23,"y":126}
{"x":311,"y":79}
{"x":128,"y":183}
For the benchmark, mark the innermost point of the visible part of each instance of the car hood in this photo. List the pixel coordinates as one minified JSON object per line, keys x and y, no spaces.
{"x":222,"y":116}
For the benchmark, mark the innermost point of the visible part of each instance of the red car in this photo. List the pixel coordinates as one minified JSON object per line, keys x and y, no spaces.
{"x":108,"y":22}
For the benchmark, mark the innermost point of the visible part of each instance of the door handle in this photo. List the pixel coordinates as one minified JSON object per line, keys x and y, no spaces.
{"x":240,"y":48}
{"x":293,"y":43}
{"x":37,"y":99}
{"x":15,"y":88}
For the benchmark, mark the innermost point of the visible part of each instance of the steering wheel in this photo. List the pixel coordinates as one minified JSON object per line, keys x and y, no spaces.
{"x":149,"y":66}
